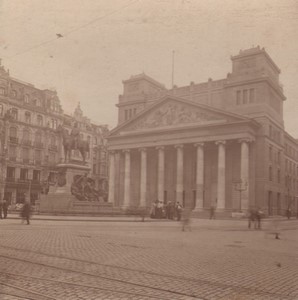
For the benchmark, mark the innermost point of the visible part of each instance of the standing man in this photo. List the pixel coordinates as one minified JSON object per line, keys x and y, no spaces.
{"x":5,"y":209}
{"x":26,"y":211}
{"x":1,"y":207}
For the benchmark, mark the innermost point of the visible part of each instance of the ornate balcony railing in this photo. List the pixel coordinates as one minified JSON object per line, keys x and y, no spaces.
{"x":13,"y":139}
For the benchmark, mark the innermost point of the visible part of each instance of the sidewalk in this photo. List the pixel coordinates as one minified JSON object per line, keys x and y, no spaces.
{"x":136,"y":218}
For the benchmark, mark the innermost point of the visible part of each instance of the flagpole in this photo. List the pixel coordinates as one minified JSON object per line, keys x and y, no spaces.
{"x":173,"y":67}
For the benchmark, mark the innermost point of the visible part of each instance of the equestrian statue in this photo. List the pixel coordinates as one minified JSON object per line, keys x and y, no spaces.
{"x":73,"y":141}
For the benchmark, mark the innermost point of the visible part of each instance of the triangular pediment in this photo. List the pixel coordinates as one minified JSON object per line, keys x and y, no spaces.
{"x":171,"y":112}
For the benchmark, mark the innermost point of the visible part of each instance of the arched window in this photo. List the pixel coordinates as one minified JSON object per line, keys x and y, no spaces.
{"x":14,"y":94}
{"x":14,"y":113}
{"x":26,"y":98}
{"x":26,"y":135}
{"x":27,"y":117}
{"x":38,"y":137}
{"x":13,"y":132}
{"x":39,"y":120}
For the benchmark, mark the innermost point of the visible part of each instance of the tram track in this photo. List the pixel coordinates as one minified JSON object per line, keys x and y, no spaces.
{"x":182,"y":280}
{"x":62,"y":282}
{"x":119,"y":281}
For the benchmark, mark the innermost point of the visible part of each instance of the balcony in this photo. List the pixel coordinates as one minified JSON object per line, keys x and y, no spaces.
{"x":10,"y":179}
{"x":13,"y":139}
{"x":53,"y":147}
{"x":13,"y":158}
{"x":26,"y":160}
{"x":38,"y":144}
{"x":26,"y":142}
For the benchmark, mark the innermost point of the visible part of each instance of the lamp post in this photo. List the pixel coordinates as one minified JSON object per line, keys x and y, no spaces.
{"x":240,"y":186}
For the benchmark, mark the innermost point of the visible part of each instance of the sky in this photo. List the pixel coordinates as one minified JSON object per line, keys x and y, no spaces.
{"x":105,"y":42}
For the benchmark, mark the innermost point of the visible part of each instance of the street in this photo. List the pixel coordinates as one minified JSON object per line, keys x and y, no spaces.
{"x":217,"y":259}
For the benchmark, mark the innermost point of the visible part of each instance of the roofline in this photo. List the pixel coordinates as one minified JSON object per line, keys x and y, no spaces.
{"x":263,"y":51}
{"x":180,"y":100}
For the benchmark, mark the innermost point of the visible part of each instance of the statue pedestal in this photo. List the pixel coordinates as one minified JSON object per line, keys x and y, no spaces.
{"x":60,"y":199}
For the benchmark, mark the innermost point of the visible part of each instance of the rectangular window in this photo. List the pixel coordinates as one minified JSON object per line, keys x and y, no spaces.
{"x":238,"y":99}
{"x":270,"y":173}
{"x":278,"y":175}
{"x":245,"y":96}
{"x":36,"y":175}
{"x":270,"y":153}
{"x":126,"y":115}
{"x":24,"y":174}
{"x":10,"y":172}
{"x":1,"y":109}
{"x":251,"y":95}
{"x":2,"y":91}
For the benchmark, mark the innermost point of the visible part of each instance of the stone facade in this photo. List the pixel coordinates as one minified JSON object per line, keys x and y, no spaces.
{"x":217,"y":143}
{"x":30,"y":144}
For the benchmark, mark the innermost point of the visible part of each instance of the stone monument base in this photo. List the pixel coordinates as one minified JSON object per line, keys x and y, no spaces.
{"x":60,"y":200}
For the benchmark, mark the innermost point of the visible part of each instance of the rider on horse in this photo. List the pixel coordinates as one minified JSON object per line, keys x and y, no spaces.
{"x":75,"y":135}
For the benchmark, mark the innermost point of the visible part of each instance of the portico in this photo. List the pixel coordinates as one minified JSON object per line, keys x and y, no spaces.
{"x":194,"y":162}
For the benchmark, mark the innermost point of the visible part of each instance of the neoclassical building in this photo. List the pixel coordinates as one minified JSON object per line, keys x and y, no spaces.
{"x":220,"y":142}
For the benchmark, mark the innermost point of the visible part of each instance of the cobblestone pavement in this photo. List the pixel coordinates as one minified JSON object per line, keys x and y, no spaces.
{"x":84,"y":260}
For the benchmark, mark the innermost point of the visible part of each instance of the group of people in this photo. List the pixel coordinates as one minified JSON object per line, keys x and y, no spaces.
{"x":254,"y":218}
{"x":166,"y":210}
{"x":25,"y":211}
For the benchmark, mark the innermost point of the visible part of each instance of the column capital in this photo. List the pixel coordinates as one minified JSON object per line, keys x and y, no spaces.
{"x":160,"y":148}
{"x":199,"y":145}
{"x":179,"y":146}
{"x":143,"y":149}
{"x":246,"y":140}
{"x":111,"y":152}
{"x":222,"y":142}
{"x":126,"y":150}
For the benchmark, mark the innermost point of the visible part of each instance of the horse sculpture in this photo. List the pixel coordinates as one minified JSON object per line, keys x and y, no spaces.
{"x":69,"y":144}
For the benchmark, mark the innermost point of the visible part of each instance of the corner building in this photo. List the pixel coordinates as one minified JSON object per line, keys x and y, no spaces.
{"x":30,"y":144}
{"x":220,"y":142}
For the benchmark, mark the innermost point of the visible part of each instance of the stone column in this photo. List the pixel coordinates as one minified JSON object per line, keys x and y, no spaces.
{"x":111,"y":177}
{"x":161,"y":173}
{"x":126,"y":201}
{"x":199,"y":176}
{"x":143,"y":181}
{"x":221,"y":176}
{"x":179,"y":178}
{"x":244,"y":173}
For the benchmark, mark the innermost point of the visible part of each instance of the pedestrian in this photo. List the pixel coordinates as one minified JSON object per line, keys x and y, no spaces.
{"x":212,"y":212}
{"x":26,"y":212}
{"x":252,"y":218}
{"x":186,"y":219}
{"x":5,"y":208}
{"x":178,"y":211}
{"x":259,"y":215}
{"x":153,"y":211}
{"x":1,"y":208}
{"x":288,"y":213}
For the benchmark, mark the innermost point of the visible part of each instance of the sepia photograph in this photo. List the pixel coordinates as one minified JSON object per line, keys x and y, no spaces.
{"x":148,"y":150}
